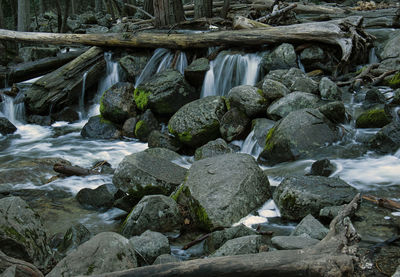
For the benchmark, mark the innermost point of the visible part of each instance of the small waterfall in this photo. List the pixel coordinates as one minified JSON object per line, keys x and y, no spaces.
{"x":82,"y":97}
{"x":372,"y":58}
{"x":230,"y":70}
{"x":250,"y":145}
{"x":12,"y":109}
{"x":161,"y":60}
{"x":300,"y":64}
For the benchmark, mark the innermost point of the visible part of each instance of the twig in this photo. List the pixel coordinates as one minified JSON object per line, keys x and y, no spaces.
{"x":196,"y":241}
{"x":382,"y":202}
{"x":276,"y":13}
{"x":139,"y":9}
{"x":379,"y":79}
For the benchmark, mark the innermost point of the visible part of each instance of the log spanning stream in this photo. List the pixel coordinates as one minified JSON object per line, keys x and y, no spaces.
{"x":373,"y":173}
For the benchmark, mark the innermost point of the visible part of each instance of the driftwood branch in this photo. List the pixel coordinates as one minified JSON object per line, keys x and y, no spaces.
{"x":69,"y":170}
{"x":139,"y":9}
{"x":277,"y":13}
{"x":383,"y":202}
{"x":342,"y":32}
{"x":330,"y":257}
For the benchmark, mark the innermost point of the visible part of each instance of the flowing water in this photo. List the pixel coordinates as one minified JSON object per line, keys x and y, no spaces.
{"x":19,"y":153}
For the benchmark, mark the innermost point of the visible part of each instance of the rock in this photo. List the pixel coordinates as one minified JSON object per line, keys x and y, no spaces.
{"x":397,"y":273}
{"x":163,"y":140}
{"x":11,"y":267}
{"x":261,"y":127}
{"x":299,"y":196}
{"x":304,"y":84}
{"x":329,"y":90}
{"x":375,"y":118}
{"x":101,"y":197}
{"x":387,"y":140}
{"x":67,"y":114}
{"x":282,"y":57}
{"x":248,"y":99}
{"x":296,"y":136}
{"x":392,"y":48}
{"x":220,"y":190}
{"x":133,"y":65}
{"x":99,"y":128}
{"x":212,"y":149}
{"x":117,"y":103}
{"x":150,"y":245}
{"x":329,"y":213}
{"x":148,"y":172}
{"x":322,"y":168}
{"x":6,"y":127}
{"x":233,"y":124}
{"x":166,"y":258}
{"x":334,"y":111}
{"x":311,"y":227}
{"x":218,"y":238}
{"x":75,"y":236}
{"x":274,"y":90}
{"x":239,"y":246}
{"x":165,"y":93}
{"x":374,"y":96}
{"x":196,"y":71}
{"x":128,"y":129}
{"x":154,"y":212}
{"x":105,"y":252}
{"x":22,"y":234}
{"x":197,"y":123}
{"x":40,"y":120}
{"x":292,"y":102}
{"x":312,"y":55}
{"x":146,"y":125}
{"x":88,"y":18}
{"x":292,"y":242}
{"x":35,"y":53}
{"x":396,"y":97}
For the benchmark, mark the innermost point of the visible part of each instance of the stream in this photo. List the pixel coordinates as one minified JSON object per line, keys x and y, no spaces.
{"x":368,"y":172}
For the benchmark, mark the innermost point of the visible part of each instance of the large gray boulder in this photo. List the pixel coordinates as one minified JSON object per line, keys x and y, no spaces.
{"x":105,"y":252}
{"x":154,"y":212}
{"x":196,"y":71}
{"x":211,"y":149}
{"x":233,"y":124}
{"x":387,"y":140}
{"x":248,"y":99}
{"x":329,"y":90}
{"x":292,"y":102}
{"x":216,"y":239}
{"x":304,"y":84}
{"x":335,"y":111}
{"x":239,"y":246}
{"x":311,"y":227}
{"x":273,"y":89}
{"x":149,"y":172}
{"x":22,"y":234}
{"x":282,"y":57}
{"x":219,"y":191}
{"x":392,"y":48}
{"x":299,"y":196}
{"x":6,"y":127}
{"x":102,"y":196}
{"x":165,"y":93}
{"x":166,"y":258}
{"x":133,"y":65}
{"x":293,"y":242}
{"x":146,"y":124}
{"x":150,"y":245}
{"x":296,"y":136}
{"x":99,"y":128}
{"x":117,"y":103}
{"x":197,"y":123}
{"x":158,"y":139}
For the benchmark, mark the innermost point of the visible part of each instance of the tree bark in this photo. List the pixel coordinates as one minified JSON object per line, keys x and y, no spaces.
{"x":98,"y":7}
{"x":203,"y":8}
{"x":333,"y":256}
{"x":1,"y":15}
{"x":148,"y":6}
{"x":24,"y":14}
{"x":225,"y":8}
{"x":73,"y":7}
{"x":168,"y":12}
{"x":64,"y":26}
{"x":343,"y":33}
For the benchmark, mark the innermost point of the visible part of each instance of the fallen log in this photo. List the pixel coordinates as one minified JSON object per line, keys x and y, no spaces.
{"x":344,"y":33}
{"x":300,"y":8}
{"x":25,"y":71}
{"x":330,"y":257}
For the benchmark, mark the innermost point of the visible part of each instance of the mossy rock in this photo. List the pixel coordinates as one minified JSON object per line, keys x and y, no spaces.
{"x":141,"y":98}
{"x":376,"y":118}
{"x":394,"y":81}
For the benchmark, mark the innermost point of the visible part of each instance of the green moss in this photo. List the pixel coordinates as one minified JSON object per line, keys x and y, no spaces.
{"x":140,"y":129}
{"x":185,"y":137}
{"x":360,"y":70}
{"x":141,"y":98}
{"x":198,"y":213}
{"x":104,"y":121}
{"x":102,"y":108}
{"x":269,"y":145}
{"x":175,"y":196}
{"x":394,"y":82}
{"x":260,"y":92}
{"x":376,"y":118}
{"x":13,"y":233}
{"x":90,"y":269}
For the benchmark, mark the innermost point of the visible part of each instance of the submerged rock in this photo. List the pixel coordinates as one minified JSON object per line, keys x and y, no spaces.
{"x":322,"y":168}
{"x":22,"y":234}
{"x":99,"y":128}
{"x":117,"y":103}
{"x":198,"y":122}
{"x":212,"y":149}
{"x":219,"y":191}
{"x":150,"y":245}
{"x":165,"y":93}
{"x":105,"y":252}
{"x":239,"y":246}
{"x":296,"y":136}
{"x":149,"y":172}
{"x":154,"y":212}
{"x":299,"y":196}
{"x":6,"y":127}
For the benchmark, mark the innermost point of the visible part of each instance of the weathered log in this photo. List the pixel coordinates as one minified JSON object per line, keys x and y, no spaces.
{"x":22,"y":268}
{"x":330,"y":257}
{"x":25,"y":71}
{"x":342,"y":32}
{"x":277,"y":13}
{"x":241,"y":22}
{"x":300,"y":8}
{"x":70,"y":170}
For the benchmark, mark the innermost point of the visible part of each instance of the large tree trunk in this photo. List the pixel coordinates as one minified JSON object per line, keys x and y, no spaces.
{"x":168,"y":12}
{"x":203,"y":8}
{"x":1,"y":15}
{"x":148,"y":6}
{"x":98,"y":5}
{"x":333,"y":256}
{"x":24,"y":15}
{"x":343,"y":33}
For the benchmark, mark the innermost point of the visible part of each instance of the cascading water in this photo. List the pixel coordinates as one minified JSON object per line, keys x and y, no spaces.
{"x":229,"y":70}
{"x":82,"y":96}
{"x":250,"y":145}
{"x":161,"y":60}
{"x":13,"y":109}
{"x":372,"y":58}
